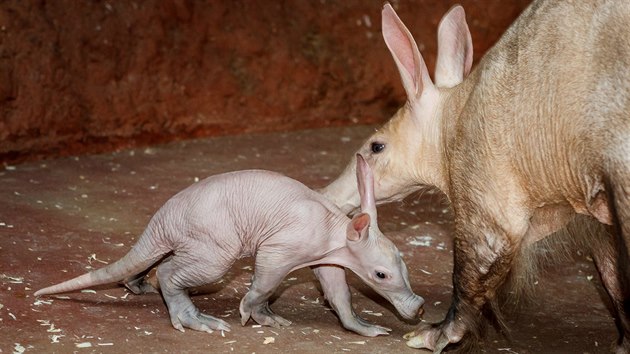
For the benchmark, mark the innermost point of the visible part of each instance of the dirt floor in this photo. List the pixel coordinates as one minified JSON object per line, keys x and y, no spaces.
{"x":60,"y":218}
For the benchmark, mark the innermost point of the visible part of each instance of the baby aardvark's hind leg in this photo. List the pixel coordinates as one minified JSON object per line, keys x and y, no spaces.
{"x":141,"y":284}
{"x":175,"y":278}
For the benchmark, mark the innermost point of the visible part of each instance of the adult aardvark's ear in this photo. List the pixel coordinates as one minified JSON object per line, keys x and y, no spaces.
{"x":411,"y":66}
{"x":455,"y":49}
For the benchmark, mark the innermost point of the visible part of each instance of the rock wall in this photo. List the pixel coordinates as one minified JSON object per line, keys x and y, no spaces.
{"x":88,"y":76}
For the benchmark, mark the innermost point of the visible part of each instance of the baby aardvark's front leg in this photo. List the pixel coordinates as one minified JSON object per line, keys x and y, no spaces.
{"x":482,"y":262}
{"x":333,"y":281}
{"x":255,"y":303}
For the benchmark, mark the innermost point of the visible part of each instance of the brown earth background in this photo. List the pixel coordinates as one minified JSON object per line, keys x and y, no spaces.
{"x":89,"y":76}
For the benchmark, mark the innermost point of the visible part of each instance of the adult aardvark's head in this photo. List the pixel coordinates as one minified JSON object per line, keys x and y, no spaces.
{"x":407,"y":152}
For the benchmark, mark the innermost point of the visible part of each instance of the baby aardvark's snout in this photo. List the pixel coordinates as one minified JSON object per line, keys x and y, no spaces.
{"x":411,"y":307}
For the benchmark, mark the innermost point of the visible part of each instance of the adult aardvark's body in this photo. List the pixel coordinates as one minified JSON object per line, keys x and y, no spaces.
{"x":535,"y":139}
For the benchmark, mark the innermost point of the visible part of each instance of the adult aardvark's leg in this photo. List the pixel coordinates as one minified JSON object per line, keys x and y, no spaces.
{"x":607,"y":263}
{"x":619,"y":203}
{"x":483,"y":257}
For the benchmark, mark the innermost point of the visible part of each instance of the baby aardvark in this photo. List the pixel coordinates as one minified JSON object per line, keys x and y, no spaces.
{"x":287,"y":226}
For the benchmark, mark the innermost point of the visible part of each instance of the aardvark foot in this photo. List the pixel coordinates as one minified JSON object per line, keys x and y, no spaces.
{"x":192,"y":318}
{"x":262,"y":314}
{"x":363,"y":327}
{"x":434,"y":337}
{"x":141,"y":286}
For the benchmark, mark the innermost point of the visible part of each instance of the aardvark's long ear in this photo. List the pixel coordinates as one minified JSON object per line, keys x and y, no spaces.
{"x":358,"y":227}
{"x":411,"y":66}
{"x":365,"y":182}
{"x":455,"y":49}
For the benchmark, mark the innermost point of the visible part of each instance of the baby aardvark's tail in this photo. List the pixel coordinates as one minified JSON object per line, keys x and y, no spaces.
{"x":141,"y":256}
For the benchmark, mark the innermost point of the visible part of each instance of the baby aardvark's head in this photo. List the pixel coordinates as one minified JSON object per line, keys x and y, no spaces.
{"x":376,"y":260}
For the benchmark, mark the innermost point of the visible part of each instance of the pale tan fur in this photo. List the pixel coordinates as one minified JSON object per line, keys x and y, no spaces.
{"x":536,"y":134}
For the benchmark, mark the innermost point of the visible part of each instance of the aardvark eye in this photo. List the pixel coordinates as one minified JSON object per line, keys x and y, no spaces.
{"x":380,"y":275}
{"x":377,"y":147}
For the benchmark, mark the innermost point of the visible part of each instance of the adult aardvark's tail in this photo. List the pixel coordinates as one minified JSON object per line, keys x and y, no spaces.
{"x":141,"y":256}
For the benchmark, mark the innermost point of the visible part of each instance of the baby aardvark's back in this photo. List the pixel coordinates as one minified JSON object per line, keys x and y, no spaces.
{"x":238,"y":210}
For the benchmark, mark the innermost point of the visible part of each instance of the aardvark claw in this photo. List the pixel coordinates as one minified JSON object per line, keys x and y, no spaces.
{"x":431,"y":338}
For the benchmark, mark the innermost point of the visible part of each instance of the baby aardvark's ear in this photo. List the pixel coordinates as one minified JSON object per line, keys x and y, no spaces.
{"x":358,"y":227}
{"x":365,"y":183}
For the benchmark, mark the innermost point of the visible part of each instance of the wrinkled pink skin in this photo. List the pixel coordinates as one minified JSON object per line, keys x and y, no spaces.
{"x":281,"y":222}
